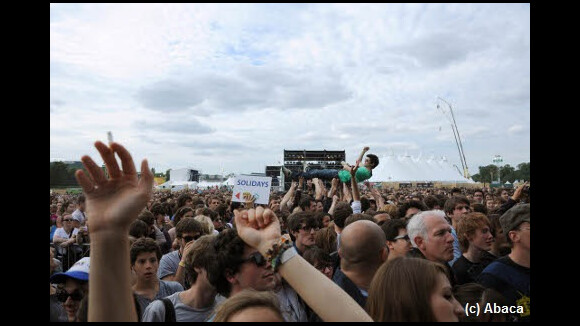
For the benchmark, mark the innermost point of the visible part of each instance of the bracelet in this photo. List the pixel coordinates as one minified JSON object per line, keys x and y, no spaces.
{"x":274,"y":255}
{"x":182,"y":264}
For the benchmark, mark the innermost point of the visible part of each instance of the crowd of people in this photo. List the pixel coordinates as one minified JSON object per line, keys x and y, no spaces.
{"x":350,"y":252}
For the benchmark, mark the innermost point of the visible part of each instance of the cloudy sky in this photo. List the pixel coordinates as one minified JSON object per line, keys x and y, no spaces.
{"x":213,"y":86}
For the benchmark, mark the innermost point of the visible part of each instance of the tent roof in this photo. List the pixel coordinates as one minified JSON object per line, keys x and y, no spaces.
{"x":405,"y":168}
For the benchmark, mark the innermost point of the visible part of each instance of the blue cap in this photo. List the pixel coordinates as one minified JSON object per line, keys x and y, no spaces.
{"x":78,"y":271}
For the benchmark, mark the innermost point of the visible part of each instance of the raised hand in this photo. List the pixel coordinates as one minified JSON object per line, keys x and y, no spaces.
{"x":259,"y":228}
{"x":114,"y":202}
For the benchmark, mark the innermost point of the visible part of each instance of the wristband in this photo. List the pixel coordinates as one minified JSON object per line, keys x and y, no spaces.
{"x":274,"y":255}
{"x":182,"y":264}
{"x":288,"y":254}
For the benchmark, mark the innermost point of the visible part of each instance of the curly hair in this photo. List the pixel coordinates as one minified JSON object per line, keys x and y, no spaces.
{"x":229,"y":250}
{"x":142,"y":245}
{"x":188,"y":225}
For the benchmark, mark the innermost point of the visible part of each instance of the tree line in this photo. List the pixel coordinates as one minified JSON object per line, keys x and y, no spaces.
{"x":489,"y":173}
{"x":62,"y":175}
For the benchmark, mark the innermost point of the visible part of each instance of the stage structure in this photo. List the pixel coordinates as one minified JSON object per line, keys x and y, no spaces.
{"x":274,"y":172}
{"x":299,"y":160}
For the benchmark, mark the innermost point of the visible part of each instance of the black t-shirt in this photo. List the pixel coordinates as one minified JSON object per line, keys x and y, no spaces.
{"x":467,"y":271}
{"x":512,"y":281}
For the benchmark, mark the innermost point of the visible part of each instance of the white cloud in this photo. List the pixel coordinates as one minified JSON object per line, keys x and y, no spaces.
{"x":196,"y":84}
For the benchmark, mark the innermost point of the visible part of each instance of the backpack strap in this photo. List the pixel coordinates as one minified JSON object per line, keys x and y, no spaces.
{"x":169,"y":311}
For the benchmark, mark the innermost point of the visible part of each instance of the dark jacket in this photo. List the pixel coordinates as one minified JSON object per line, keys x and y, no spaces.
{"x":349,"y":287}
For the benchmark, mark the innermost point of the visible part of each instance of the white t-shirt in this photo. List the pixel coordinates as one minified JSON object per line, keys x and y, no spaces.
{"x":62,"y":233}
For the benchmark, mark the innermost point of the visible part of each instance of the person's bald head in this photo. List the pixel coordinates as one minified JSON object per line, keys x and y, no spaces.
{"x":362,"y":245}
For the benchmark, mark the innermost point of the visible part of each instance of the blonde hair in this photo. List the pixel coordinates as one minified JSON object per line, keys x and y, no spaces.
{"x":247,"y":298}
{"x":206,"y":223}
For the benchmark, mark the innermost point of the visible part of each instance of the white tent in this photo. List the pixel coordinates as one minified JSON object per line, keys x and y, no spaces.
{"x":204,"y":184}
{"x":405,"y":168}
{"x":229,"y":182}
{"x":178,"y":185}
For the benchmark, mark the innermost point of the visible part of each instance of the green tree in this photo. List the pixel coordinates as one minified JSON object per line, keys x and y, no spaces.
{"x":523,"y":173}
{"x":486,"y":173}
{"x":58,"y":171}
{"x":508,"y":173}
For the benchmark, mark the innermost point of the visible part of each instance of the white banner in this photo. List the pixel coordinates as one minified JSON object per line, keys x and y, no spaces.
{"x":246,"y":186}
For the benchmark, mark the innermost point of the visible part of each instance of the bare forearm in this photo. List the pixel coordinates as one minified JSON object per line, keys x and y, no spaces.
{"x":362,"y":153}
{"x":287,"y":196}
{"x":326,"y":298}
{"x":331,"y":209}
{"x":180,"y":275}
{"x":355,"y":192}
{"x":110,"y":266}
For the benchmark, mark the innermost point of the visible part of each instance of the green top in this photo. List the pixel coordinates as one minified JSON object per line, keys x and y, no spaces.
{"x":361,"y":175}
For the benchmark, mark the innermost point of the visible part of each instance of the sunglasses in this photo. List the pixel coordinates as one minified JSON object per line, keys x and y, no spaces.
{"x":62,"y":295}
{"x":404,"y":237}
{"x":66,"y":220}
{"x":191,"y":238}
{"x":256,"y":258}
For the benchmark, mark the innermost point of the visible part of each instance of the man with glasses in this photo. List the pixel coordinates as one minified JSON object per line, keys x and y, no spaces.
{"x":398,"y":240}
{"x":238,"y":266}
{"x":510,"y":275}
{"x":455,"y":208}
{"x":64,"y":239}
{"x":171,"y":265}
{"x":302,"y":227}
{"x":72,"y":287}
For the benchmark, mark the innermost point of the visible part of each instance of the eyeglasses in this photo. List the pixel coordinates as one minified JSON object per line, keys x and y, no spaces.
{"x":525,"y":228}
{"x":63,"y":295}
{"x":310,"y":228}
{"x":66,"y":220}
{"x":404,"y":237}
{"x":323,"y":266}
{"x":256,"y":258}
{"x":191,"y":238}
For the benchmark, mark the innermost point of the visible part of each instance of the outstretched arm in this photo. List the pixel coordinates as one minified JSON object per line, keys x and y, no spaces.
{"x":359,"y":159}
{"x":317,"y":189}
{"x":288,"y":195}
{"x":260,"y":229}
{"x":114,"y":203}
{"x":353,"y":184}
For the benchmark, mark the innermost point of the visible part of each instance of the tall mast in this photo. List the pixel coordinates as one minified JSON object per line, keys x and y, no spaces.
{"x":457,"y":141}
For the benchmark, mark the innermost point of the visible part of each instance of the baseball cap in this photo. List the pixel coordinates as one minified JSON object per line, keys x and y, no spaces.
{"x":515,"y":216}
{"x":78,"y":271}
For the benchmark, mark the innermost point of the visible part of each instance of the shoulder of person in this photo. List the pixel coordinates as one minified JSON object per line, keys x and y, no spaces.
{"x":173,"y":285}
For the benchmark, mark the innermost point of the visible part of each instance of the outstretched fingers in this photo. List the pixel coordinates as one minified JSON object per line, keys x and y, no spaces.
{"x":109,"y":157}
{"x":126,"y":159}
{"x":84,"y":181}
{"x":95,"y":172}
{"x":146,"y":180}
